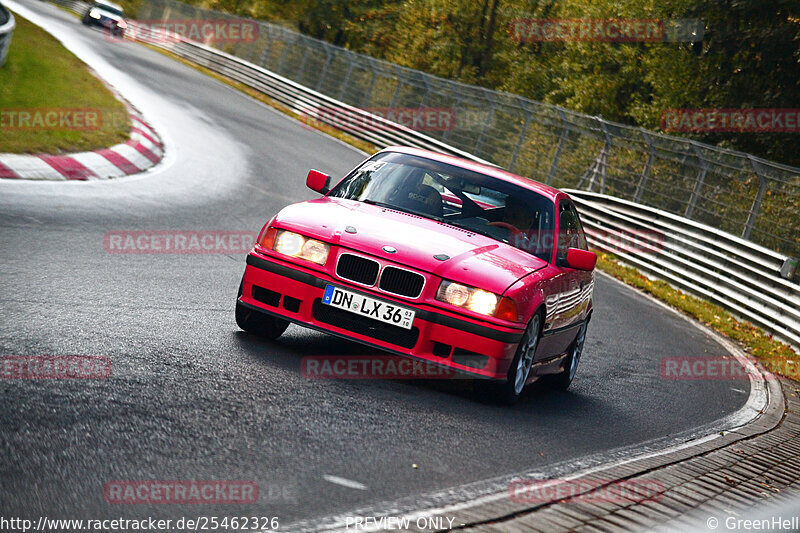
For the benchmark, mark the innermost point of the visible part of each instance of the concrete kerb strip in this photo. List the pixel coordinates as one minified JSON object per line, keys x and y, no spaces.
{"x":142,"y":151}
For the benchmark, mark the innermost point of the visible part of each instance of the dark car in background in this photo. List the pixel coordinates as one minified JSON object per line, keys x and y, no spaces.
{"x":107,"y":15}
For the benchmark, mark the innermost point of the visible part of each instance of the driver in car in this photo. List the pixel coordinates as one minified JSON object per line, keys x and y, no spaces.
{"x":518,"y":219}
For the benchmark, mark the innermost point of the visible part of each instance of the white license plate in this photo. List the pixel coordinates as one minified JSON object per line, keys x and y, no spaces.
{"x":368,"y":307}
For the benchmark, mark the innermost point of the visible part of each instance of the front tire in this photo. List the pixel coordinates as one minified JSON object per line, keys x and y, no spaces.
{"x":261,"y":324}
{"x":510,"y":390}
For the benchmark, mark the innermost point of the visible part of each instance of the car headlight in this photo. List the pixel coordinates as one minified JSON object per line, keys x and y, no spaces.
{"x":314,"y":250}
{"x":95,"y":14}
{"x":478,"y":300}
{"x":121,"y":24}
{"x":289,"y":243}
{"x":295,"y":245}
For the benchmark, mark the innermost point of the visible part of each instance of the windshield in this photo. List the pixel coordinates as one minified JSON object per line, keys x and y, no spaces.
{"x":108,"y":8}
{"x":455,"y":196}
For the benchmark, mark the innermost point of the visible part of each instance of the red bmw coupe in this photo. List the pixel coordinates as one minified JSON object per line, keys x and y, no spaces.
{"x":433,"y":257}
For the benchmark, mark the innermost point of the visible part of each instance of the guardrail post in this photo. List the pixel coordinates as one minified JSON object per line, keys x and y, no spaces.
{"x":368,"y":94}
{"x":521,"y":137}
{"x":346,"y":80}
{"x":252,"y":50}
{"x":637,"y":196}
{"x":562,"y":140}
{"x":756,"y":207}
{"x":427,"y":92}
{"x":396,"y":95}
{"x":698,"y":185}
{"x":267,"y":47}
{"x":302,"y":67}
{"x":600,"y":162}
{"x":479,"y":142}
{"x":328,"y":59}
{"x":286,"y":45}
{"x":455,"y":114}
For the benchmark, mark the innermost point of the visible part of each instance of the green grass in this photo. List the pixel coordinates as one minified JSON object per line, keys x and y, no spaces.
{"x":41,"y":75}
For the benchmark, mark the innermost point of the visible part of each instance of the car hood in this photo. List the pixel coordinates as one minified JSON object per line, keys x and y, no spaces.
{"x":475,"y":259}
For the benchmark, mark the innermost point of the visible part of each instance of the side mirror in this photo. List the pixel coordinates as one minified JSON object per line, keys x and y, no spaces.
{"x":581,"y":259}
{"x":317,"y":181}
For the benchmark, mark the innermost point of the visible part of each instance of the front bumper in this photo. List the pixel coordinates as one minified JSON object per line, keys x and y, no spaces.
{"x":295,"y":293}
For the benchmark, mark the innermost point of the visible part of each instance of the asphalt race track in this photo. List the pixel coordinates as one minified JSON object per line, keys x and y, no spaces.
{"x":192,"y":397}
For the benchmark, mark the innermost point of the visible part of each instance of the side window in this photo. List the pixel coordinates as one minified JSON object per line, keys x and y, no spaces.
{"x":570,"y":232}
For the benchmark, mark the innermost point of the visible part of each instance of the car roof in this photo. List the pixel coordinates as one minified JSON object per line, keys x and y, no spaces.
{"x":106,"y":3}
{"x":495,"y":172}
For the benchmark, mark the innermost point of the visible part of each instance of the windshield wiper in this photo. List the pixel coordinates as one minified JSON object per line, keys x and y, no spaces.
{"x":404,"y":210}
{"x":472,"y":229}
{"x":379,"y":204}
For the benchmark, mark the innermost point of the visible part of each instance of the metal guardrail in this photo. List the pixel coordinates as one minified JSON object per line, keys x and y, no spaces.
{"x":7,"y":26}
{"x":738,"y":275}
{"x":76,"y":6}
{"x":732,"y":272}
